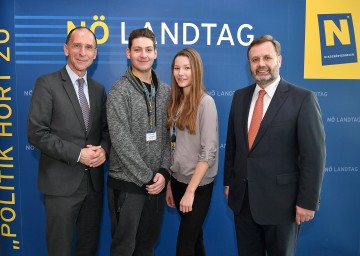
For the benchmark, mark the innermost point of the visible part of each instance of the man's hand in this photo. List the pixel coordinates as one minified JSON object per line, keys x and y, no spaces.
{"x":303,"y":215}
{"x":226,"y":191}
{"x":157,"y":186}
{"x":92,"y":156}
{"x":99,"y":157}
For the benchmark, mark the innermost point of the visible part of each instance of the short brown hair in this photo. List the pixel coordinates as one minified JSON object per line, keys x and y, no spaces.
{"x":141,"y":32}
{"x":263,"y":39}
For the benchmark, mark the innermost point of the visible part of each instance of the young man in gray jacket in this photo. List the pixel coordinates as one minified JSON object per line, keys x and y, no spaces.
{"x":140,"y":152}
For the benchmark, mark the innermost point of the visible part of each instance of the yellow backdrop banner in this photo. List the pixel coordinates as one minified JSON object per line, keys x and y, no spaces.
{"x":332,"y":39}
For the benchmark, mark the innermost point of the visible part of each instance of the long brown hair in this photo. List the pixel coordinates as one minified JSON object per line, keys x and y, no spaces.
{"x":187,"y":119}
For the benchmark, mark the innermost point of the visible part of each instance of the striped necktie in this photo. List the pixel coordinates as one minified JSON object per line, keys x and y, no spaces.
{"x":83,"y":102}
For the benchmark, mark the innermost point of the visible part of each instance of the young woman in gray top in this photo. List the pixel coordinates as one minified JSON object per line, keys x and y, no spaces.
{"x":192,"y":119}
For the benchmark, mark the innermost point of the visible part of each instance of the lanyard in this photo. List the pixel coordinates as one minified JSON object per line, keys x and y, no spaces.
{"x":150,"y":99}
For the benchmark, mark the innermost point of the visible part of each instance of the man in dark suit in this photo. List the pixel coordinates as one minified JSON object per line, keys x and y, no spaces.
{"x":272,"y":174}
{"x":67,"y":123}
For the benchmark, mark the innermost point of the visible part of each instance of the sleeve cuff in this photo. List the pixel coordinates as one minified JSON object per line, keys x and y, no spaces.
{"x":165,"y":173}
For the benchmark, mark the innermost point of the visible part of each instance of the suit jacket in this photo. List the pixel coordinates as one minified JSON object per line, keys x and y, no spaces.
{"x":56,"y":127}
{"x":285,"y":165}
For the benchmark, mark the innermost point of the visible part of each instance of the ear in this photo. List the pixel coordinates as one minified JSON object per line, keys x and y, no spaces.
{"x":279,"y":60}
{"x":155,"y":53}
{"x":95,"y":54}
{"x":128,"y":53}
{"x":66,"y":50}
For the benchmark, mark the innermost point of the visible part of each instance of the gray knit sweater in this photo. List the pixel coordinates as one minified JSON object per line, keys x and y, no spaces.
{"x":132,"y":158}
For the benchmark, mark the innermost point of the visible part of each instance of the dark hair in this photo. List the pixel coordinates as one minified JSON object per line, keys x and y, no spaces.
{"x":141,"y":32}
{"x":71,"y":31}
{"x":263,"y":39}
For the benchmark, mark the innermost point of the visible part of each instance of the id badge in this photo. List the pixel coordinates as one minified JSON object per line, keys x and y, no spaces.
{"x":150,"y":136}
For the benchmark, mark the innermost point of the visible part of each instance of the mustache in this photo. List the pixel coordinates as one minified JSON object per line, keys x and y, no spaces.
{"x":262,"y":69}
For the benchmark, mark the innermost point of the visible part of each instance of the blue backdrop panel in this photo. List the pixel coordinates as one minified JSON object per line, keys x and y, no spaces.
{"x":220,"y":31}
{"x":10,"y":194}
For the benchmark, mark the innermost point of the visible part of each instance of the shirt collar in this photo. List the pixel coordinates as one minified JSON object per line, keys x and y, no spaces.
{"x":270,"y":89}
{"x":74,"y":76}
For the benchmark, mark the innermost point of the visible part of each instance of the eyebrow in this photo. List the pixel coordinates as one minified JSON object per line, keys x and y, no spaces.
{"x":146,"y":47}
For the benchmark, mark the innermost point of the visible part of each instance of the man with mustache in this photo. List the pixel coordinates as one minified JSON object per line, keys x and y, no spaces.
{"x":274,"y":158}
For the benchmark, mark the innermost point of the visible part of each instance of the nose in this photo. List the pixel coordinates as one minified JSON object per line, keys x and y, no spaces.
{"x":261,"y":62}
{"x":82,"y":50}
{"x":143,"y":53}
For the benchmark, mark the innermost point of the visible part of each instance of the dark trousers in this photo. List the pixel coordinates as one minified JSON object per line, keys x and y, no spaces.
{"x":81,"y":212}
{"x":135,"y":222}
{"x":190,"y":235}
{"x":260,"y":240}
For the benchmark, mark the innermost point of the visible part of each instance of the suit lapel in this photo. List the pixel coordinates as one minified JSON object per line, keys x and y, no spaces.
{"x":69,"y":88}
{"x":277,"y":101}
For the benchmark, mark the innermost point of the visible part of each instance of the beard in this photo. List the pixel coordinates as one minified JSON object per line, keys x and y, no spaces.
{"x":264,"y":80}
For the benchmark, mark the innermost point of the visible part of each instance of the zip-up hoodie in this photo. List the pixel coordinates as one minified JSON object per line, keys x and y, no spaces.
{"x":133,"y":160}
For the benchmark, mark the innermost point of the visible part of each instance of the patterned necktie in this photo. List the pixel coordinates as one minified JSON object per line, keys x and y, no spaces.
{"x":256,"y":118}
{"x":83,"y":102}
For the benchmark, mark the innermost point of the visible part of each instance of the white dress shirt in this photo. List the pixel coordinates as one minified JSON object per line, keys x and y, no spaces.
{"x":270,"y":91}
{"x":74,"y":77}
